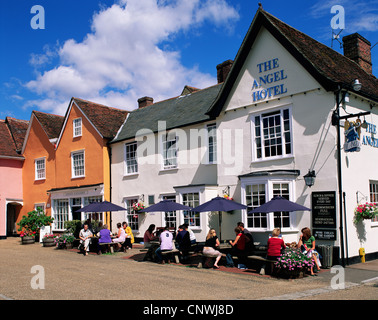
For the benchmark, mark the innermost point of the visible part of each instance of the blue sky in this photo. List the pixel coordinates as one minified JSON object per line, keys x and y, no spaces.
{"x":116,"y":51}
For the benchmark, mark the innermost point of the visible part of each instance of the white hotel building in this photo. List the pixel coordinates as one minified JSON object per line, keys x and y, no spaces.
{"x":270,"y":120}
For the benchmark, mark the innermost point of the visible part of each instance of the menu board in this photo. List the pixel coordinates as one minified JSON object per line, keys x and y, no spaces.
{"x":324,"y":214}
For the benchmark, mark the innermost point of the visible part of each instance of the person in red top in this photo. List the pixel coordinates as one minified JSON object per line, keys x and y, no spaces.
{"x":275,"y":245}
{"x":238,"y":247}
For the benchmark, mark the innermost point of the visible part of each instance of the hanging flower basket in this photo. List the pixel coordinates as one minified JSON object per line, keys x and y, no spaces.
{"x":137,"y":206}
{"x":365,"y":211}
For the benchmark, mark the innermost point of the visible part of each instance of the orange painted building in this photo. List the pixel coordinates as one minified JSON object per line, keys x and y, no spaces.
{"x":67,"y":161}
{"x":38,"y":173}
{"x":82,"y":160}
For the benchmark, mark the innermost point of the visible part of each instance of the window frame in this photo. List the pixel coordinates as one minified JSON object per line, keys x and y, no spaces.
{"x":268,"y":182}
{"x":75,"y":127}
{"x":126,"y":153}
{"x":129,"y":212}
{"x":182,"y":212}
{"x":36,"y":177}
{"x":373,"y":197}
{"x":254,"y":137}
{"x":214,"y":144}
{"x":163,"y":142}
{"x":73,"y":153}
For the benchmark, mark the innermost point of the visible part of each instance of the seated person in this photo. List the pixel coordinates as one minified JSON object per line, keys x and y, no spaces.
{"x":249,"y":243}
{"x":129,"y":235}
{"x":192,"y":236}
{"x":105,"y":236}
{"x":238,"y":249}
{"x":121,"y":236}
{"x":183,"y":241}
{"x":307,"y":245}
{"x":85,"y":236}
{"x":211,"y":244}
{"x":166,"y":244}
{"x":149,"y":236}
{"x":275,"y":245}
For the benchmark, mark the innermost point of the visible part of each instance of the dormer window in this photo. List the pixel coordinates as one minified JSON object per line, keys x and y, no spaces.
{"x":77,"y":130}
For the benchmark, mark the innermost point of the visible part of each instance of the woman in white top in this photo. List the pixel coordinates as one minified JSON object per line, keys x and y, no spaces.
{"x":121,"y":236}
{"x":85,"y":236}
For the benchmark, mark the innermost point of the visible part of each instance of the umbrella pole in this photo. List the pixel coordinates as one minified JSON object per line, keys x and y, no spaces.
{"x":220,"y":225}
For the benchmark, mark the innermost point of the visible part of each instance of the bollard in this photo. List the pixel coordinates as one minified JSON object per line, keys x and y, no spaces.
{"x":362,"y":255}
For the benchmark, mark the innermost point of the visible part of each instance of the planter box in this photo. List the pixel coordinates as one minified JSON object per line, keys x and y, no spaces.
{"x":27,"y":240}
{"x":48,"y":242}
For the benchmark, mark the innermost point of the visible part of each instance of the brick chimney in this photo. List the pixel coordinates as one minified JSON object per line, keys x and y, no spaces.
{"x":223,"y":69}
{"x":145,"y":102}
{"x":357,"y":48}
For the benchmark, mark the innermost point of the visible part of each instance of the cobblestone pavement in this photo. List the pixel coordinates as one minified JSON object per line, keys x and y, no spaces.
{"x":71,"y":276}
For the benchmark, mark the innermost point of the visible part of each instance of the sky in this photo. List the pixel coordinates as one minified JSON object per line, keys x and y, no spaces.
{"x":116,"y":51}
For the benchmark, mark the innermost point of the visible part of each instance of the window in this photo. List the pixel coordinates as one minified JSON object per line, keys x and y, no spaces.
{"x":78,"y":169}
{"x":171,"y":216}
{"x":281,"y":219}
{"x":259,"y":192}
{"x":374,"y":196}
{"x":40,"y":206}
{"x":255,"y":197}
{"x":40,"y":169}
{"x":190,"y":217}
{"x":169,"y":151}
{"x":131,"y":158}
{"x":131,"y":216}
{"x":92,"y":215}
{"x":61,"y":211}
{"x":212,"y":143}
{"x":272,"y":134}
{"x":77,"y":132}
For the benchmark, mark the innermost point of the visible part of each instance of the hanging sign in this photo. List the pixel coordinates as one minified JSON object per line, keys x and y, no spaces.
{"x":352,"y":136}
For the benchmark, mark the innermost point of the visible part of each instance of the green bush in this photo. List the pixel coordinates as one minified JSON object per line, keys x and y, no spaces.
{"x":73,"y":226}
{"x":34,"y":221}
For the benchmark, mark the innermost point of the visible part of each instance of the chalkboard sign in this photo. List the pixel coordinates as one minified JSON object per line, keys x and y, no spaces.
{"x":324,"y":215}
{"x":324,"y":210}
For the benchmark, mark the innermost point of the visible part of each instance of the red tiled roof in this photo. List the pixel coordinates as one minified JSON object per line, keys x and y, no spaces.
{"x":107,"y":120}
{"x":51,"y":123}
{"x":330,"y":68}
{"x":331,"y":64}
{"x":18,"y":129}
{"x":7,"y":144}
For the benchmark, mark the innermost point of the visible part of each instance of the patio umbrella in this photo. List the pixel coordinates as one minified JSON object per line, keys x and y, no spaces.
{"x":103,"y":206}
{"x":165,"y":206}
{"x":278,"y":204}
{"x":219,"y":204}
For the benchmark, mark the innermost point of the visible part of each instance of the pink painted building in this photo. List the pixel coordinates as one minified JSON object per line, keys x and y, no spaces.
{"x":12,"y":134}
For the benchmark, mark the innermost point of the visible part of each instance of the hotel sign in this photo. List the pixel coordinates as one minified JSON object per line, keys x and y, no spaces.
{"x":266,"y":85}
{"x":324,"y":215}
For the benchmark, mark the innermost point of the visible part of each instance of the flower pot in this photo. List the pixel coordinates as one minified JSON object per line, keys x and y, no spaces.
{"x":69,"y":245}
{"x":48,"y":242}
{"x":27,"y":240}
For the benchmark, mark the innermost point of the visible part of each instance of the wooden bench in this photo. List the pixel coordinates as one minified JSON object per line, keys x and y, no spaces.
{"x":263,"y":260}
{"x":174,"y":252}
{"x":110,"y":245}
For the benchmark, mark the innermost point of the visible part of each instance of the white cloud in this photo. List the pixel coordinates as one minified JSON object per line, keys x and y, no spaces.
{"x":121,"y":60}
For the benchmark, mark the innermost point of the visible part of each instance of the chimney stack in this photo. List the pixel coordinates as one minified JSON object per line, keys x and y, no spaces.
{"x":145,"y":102}
{"x":223,"y":69}
{"x":357,"y":48}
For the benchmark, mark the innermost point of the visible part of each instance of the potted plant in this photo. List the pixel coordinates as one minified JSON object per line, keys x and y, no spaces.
{"x":48,"y":240}
{"x":292,"y":264}
{"x":365,"y":211}
{"x":31,"y":224}
{"x":27,"y":237}
{"x":64,"y":241}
